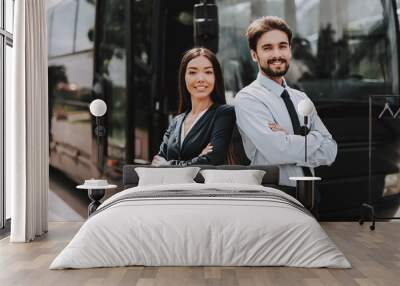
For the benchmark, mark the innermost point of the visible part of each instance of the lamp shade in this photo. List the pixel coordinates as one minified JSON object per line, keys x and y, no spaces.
{"x":305,"y":107}
{"x":98,"y":107}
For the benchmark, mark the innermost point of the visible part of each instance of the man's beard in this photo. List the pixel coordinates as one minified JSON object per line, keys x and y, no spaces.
{"x":270,"y":72}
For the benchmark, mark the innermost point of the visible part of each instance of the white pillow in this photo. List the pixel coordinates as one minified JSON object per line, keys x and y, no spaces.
{"x":248,"y":177}
{"x":164,"y":176}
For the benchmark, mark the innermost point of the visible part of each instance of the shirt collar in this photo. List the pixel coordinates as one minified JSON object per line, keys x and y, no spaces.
{"x":271,"y":85}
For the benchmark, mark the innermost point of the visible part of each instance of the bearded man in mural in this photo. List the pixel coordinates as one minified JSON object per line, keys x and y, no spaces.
{"x":266,"y":110}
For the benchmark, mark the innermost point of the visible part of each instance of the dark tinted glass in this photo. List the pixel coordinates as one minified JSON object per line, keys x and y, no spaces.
{"x":111,"y":77}
{"x":179,"y":31}
{"x":142,"y":77}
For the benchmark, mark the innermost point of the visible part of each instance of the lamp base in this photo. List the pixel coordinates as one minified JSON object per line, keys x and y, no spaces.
{"x":100,"y":131}
{"x":305,"y":190}
{"x":95,"y":196}
{"x":305,"y":193}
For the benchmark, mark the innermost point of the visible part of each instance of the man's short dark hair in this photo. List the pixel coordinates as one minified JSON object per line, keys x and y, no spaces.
{"x":266,"y":24}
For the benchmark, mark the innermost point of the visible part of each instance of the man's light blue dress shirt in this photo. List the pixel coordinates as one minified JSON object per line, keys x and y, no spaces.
{"x":260,"y":103}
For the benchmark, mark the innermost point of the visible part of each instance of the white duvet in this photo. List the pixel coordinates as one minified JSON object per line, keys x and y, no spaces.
{"x":183,"y":231}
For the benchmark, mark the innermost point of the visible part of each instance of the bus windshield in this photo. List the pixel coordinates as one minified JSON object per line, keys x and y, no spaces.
{"x":341,"y":50}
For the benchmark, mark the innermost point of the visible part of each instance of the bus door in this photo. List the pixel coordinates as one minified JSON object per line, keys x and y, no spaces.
{"x":172,"y":37}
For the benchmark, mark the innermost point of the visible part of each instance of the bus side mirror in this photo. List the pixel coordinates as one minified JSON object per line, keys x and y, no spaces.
{"x":205,"y":23}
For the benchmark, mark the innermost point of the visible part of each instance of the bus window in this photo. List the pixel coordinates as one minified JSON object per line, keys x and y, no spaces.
{"x":70,"y":92}
{"x":63,"y":24}
{"x":49,"y":18}
{"x":85,"y":25}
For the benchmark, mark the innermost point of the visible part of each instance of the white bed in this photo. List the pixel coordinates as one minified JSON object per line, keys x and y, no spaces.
{"x":248,"y":225}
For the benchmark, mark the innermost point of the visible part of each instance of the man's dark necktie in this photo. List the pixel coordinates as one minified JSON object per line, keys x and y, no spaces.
{"x":295,"y":122}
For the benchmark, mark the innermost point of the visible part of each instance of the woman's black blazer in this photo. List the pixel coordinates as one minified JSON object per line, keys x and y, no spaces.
{"x":215,"y":127}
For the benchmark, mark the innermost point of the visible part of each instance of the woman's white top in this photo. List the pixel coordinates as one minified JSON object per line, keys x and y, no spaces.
{"x":183,"y":133}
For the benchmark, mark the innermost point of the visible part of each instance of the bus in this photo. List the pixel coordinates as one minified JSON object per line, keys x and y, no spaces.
{"x":127,"y":53}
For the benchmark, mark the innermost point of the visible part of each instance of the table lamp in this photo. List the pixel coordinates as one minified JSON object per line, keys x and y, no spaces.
{"x":305,"y":108}
{"x":98,"y":108}
{"x":96,"y":187}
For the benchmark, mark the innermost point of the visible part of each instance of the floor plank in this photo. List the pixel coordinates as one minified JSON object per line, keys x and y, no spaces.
{"x":375,"y":257}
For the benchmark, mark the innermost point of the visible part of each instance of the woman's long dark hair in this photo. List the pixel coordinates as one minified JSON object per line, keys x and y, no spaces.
{"x":218,"y":93}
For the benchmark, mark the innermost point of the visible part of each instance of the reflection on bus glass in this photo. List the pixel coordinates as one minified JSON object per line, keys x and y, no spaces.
{"x":341,"y":49}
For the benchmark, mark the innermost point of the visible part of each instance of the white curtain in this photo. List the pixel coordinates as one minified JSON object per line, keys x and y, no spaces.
{"x":27,"y":124}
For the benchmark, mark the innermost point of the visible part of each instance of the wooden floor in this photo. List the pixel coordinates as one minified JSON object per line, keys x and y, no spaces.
{"x":375,"y":256}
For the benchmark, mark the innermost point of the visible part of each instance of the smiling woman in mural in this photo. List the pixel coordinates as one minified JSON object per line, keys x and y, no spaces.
{"x":201,"y":132}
